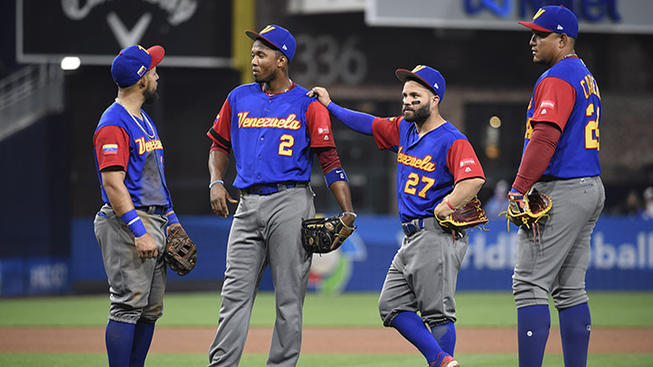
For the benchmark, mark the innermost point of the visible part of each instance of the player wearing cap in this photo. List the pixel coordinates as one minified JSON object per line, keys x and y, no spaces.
{"x":560,"y":159}
{"x":130,"y":225}
{"x":273,"y":129}
{"x":437,"y":172}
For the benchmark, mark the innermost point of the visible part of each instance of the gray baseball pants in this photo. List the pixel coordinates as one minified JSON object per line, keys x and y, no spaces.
{"x":556,"y":260}
{"x":136,"y":285}
{"x":266,"y":230}
{"x":423,"y":274}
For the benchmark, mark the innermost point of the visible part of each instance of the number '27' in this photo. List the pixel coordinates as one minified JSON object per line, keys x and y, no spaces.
{"x":414,"y":180}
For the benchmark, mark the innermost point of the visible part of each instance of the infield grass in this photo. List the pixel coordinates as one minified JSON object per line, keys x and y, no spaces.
{"x":474,"y":309}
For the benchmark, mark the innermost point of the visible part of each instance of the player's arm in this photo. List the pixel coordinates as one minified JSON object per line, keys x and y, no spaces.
{"x":468,"y":177}
{"x":553,"y":100}
{"x":219,"y":159}
{"x":113,"y":180}
{"x":112,"y":153}
{"x":357,"y":121}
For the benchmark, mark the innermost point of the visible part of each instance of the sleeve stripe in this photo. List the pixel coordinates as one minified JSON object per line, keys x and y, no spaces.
{"x":219,"y":139}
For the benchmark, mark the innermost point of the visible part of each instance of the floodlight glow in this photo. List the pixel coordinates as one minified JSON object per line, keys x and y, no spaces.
{"x":70,"y":63}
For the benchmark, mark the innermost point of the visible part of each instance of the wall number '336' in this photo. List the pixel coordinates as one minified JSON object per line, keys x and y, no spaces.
{"x":414,"y":180}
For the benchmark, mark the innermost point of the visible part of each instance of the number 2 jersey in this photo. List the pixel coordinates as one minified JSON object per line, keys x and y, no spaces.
{"x":271,"y":135}
{"x":427,"y":167}
{"x":567,"y":95}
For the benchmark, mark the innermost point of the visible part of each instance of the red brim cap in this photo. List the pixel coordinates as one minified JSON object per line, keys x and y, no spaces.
{"x":156,"y":52}
{"x":534,"y":26}
{"x":253,"y":35}
{"x":405,"y":74}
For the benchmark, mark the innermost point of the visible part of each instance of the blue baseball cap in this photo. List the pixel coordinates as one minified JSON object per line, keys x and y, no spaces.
{"x":425,"y":75}
{"x":278,"y":37}
{"x":133,"y":62}
{"x":554,"y":19}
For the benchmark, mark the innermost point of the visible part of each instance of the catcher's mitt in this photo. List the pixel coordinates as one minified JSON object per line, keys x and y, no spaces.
{"x":528,"y":209}
{"x":469,"y":215}
{"x":318,"y":234}
{"x":181,"y":252}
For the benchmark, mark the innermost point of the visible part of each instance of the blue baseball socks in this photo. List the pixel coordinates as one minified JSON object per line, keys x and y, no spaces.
{"x":445,"y":335}
{"x":575,"y":325}
{"x":411,"y":327}
{"x":142,"y":340}
{"x":119,"y":338}
{"x":533,"y":323}
{"x":128,"y":344}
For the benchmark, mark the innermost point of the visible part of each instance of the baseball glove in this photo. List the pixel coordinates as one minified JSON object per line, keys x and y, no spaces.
{"x":528,"y":209}
{"x":469,"y":215}
{"x":181,"y":252}
{"x":318,"y":234}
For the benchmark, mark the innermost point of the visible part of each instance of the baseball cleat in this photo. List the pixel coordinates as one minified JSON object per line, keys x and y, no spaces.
{"x":449,"y":362}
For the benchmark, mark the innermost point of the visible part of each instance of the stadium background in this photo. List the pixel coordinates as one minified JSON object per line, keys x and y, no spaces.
{"x":47,"y":116}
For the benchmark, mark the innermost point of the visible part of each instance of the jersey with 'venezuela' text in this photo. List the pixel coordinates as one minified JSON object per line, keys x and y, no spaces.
{"x":124,"y":140}
{"x":427,"y":167}
{"x":271,"y":135}
{"x":567,"y":95}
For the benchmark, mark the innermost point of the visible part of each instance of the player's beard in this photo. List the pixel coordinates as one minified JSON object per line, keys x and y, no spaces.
{"x":150,"y":96}
{"x":419,"y":115}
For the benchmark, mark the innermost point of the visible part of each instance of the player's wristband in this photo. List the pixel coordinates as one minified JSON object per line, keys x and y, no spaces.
{"x":336,"y":174}
{"x":215,"y":182}
{"x":172,"y":217}
{"x":449,"y":205}
{"x":134,"y":223}
{"x":350,"y":213}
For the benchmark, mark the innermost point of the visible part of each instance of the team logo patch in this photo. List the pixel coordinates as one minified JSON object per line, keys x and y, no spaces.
{"x":467,"y":162}
{"x":549,"y":104}
{"x":141,"y":71}
{"x":267,"y":29}
{"x":539,"y":13}
{"x":418,"y":68}
{"x":110,"y":149}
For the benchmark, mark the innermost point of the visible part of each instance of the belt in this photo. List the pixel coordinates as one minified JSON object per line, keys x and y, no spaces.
{"x":412,"y":227}
{"x":153,"y":209}
{"x":267,"y":189}
{"x":547,"y":178}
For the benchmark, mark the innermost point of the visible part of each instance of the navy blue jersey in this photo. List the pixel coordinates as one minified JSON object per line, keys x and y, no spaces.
{"x":427,"y":167}
{"x":271,"y":135}
{"x":568,"y":96}
{"x":124,"y":140}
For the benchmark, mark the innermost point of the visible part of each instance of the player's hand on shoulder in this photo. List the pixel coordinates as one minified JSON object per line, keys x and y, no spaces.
{"x":321,"y":94}
{"x":146,"y":246}
{"x":219,"y":198}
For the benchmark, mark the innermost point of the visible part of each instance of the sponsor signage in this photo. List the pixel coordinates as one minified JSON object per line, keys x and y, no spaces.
{"x":195,"y":33}
{"x":601,"y":16}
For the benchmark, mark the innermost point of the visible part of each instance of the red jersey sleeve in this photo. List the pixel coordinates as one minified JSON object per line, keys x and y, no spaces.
{"x":553,"y":101}
{"x":220,"y":132}
{"x":462,"y":161}
{"x":386,"y":131}
{"x":111,"y":147}
{"x":318,"y":123}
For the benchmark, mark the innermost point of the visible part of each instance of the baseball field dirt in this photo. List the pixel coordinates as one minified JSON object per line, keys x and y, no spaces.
{"x":315,"y":340}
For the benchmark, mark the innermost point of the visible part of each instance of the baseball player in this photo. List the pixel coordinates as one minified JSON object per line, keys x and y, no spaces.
{"x":137,"y":207}
{"x":437,"y":172}
{"x":273,"y":129}
{"x":560,"y":159}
